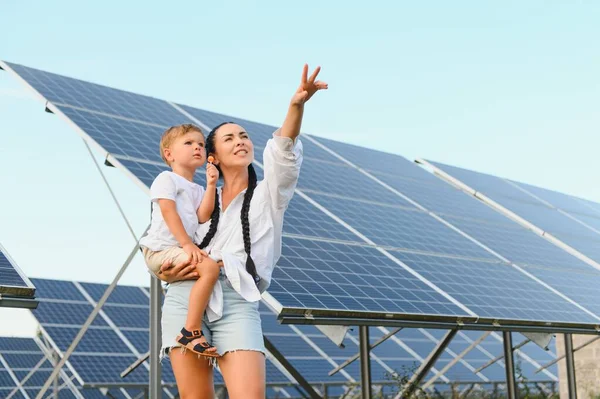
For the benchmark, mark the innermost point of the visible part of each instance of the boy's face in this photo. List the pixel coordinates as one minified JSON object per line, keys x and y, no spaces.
{"x":187,"y":151}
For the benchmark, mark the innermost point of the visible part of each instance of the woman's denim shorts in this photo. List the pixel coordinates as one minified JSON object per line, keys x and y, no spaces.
{"x":238,"y":329}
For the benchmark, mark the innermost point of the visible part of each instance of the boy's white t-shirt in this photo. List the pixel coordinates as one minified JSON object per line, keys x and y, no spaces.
{"x":187,"y":196}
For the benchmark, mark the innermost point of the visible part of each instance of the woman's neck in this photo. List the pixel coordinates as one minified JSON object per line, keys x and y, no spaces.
{"x":234,"y":182}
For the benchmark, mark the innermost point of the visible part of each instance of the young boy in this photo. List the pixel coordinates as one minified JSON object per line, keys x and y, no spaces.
{"x":178,"y":205}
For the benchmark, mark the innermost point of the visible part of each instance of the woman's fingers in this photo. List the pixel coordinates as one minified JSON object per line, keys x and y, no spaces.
{"x":313,"y":76}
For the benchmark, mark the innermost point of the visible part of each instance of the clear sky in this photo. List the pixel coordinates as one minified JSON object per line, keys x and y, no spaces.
{"x":509,"y":88}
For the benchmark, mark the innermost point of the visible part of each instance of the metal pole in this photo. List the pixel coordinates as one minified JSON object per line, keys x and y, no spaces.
{"x":365,"y":362}
{"x":155,"y":338}
{"x":570,"y":358}
{"x":55,"y":356}
{"x":509,"y":365}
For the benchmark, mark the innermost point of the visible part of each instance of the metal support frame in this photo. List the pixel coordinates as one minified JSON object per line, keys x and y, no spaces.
{"x":355,"y":357}
{"x":509,"y":365}
{"x":426,"y":366}
{"x":27,"y":377}
{"x":456,"y":359}
{"x":365,"y":362}
{"x":135,"y":365}
{"x":155,"y":338}
{"x":570,"y":358}
{"x":498,"y":358}
{"x":558,"y":359}
{"x":89,"y":320}
{"x":291,"y":369}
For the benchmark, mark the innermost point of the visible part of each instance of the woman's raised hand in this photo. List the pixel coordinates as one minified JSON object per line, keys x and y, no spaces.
{"x":308,"y":86}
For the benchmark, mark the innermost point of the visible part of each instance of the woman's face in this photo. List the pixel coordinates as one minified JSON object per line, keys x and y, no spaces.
{"x":233,"y":147}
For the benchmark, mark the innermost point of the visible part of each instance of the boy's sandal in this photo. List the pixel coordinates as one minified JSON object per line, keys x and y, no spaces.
{"x":186,"y":337}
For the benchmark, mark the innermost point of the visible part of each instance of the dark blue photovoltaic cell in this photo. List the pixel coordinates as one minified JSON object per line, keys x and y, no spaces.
{"x":95,"y":340}
{"x":21,"y":355}
{"x":11,"y":282}
{"x":376,"y":161}
{"x":147,"y":172}
{"x":121,"y":295}
{"x":77,"y":93}
{"x":9,"y":276}
{"x":65,"y":313}
{"x":489,"y":185}
{"x":140,"y":339}
{"x":565,"y":202}
{"x":441,"y":198}
{"x":302,"y":218}
{"x":517,"y":244}
{"x":103,"y":369}
{"x":509,"y":293}
{"x":124,"y":316}
{"x":17,"y":344}
{"x":57,"y":289}
{"x":121,"y":137}
{"x":346,"y":182}
{"x":321,"y":275}
{"x":401,"y":228}
{"x":579,"y":285}
{"x":593,"y":222}
{"x":548,"y":219}
{"x":25,"y":360}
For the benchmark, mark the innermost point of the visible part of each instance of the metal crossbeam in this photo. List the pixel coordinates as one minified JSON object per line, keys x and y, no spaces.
{"x":356,"y":356}
{"x":426,"y":366}
{"x":558,"y":359}
{"x":291,"y":369}
{"x":456,"y":360}
{"x":498,"y":358}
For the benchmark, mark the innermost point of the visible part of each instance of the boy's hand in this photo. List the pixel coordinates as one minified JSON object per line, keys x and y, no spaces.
{"x":195,"y":254}
{"x":212,"y":174}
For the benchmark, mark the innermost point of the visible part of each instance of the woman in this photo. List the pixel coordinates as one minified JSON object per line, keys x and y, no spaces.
{"x":244,"y":239}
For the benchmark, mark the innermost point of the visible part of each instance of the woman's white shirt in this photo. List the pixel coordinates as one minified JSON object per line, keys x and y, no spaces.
{"x":282,"y":159}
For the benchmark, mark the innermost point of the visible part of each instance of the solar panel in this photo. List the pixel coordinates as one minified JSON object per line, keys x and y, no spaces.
{"x":568,"y":275}
{"x":367,"y":213}
{"x":24,"y":367}
{"x":454,"y":266}
{"x":15,"y":288}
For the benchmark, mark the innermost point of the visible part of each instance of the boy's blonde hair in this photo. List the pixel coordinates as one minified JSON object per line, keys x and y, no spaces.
{"x":173,"y":133}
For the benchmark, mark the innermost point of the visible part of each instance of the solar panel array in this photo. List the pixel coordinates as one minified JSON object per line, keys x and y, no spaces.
{"x":365,"y":245}
{"x":25,"y":365}
{"x":106,"y":348}
{"x":115,"y":339}
{"x":568,"y":218}
{"x":15,"y":288}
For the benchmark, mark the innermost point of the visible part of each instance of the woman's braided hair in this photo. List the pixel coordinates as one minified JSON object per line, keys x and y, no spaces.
{"x":250,"y":266}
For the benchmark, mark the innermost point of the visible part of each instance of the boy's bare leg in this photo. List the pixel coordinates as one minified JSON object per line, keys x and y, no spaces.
{"x":208,"y":270}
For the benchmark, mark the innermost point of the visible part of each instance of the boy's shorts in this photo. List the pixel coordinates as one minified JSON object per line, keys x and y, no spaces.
{"x":155,"y":259}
